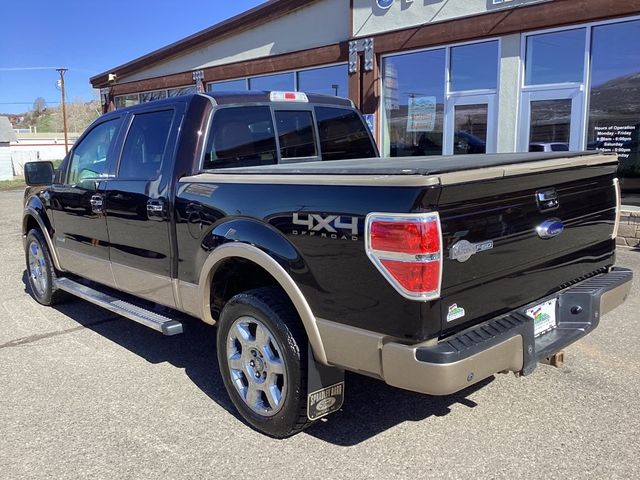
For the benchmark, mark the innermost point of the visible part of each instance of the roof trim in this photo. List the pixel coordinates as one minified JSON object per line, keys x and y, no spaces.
{"x":264,"y":12}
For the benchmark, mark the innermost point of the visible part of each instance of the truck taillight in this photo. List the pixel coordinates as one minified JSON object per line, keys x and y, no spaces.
{"x":407,"y":249}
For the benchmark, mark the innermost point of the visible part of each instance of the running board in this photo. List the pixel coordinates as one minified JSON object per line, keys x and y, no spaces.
{"x":150,"y":319}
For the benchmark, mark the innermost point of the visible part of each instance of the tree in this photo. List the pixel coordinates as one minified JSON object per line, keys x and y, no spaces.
{"x":39,"y":106}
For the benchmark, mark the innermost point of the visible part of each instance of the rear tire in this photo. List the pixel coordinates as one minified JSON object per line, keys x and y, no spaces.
{"x":40,"y":270}
{"x":262,"y":355}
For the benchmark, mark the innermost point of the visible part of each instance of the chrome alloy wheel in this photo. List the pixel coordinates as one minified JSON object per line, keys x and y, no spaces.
{"x":37,"y":268}
{"x":256,"y":366}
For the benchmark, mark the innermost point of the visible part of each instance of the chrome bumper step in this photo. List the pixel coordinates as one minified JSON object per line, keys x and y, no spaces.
{"x":153,"y":320}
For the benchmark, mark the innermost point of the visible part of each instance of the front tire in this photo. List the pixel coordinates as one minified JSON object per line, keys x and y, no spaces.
{"x":262,"y":355}
{"x":40,"y":270}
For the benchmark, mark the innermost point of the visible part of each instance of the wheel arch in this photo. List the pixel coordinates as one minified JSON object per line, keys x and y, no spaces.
{"x":33,"y":218}
{"x":259,"y":258}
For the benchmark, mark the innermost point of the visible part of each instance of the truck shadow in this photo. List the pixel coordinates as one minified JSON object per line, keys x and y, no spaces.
{"x":371,"y":406}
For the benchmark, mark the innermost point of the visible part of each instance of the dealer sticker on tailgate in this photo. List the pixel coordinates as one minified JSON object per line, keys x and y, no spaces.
{"x":544,"y":316}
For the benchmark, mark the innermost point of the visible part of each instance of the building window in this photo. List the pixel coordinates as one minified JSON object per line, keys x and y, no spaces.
{"x":227,"y":86}
{"x":414,"y":89}
{"x":123,"y":101}
{"x":553,"y":99}
{"x":327,"y":81}
{"x":151,"y":96}
{"x":178,"y":92}
{"x":278,"y":82}
{"x":425,"y":115}
{"x":559,"y":112}
{"x":614,"y":100}
{"x":474,"y":67}
{"x":330,"y":80}
{"x":556,"y":57}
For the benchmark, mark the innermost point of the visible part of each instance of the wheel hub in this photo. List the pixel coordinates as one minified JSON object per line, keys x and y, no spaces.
{"x":256,"y":366}
{"x":37,"y":268}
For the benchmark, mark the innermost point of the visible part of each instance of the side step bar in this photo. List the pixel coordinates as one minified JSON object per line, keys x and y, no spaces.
{"x":138,"y":314}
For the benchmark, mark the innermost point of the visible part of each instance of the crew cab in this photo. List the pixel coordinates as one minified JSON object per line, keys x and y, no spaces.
{"x":271,"y":216}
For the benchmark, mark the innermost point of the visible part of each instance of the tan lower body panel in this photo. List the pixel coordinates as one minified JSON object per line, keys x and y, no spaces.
{"x":354,"y":348}
{"x":614,"y":297}
{"x":402,"y":369}
{"x":190,"y":298}
{"x":93,"y":268}
{"x":150,"y":286}
{"x":381,"y":356}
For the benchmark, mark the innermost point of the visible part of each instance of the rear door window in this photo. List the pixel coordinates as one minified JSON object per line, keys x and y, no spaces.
{"x":343,"y":134}
{"x":241,"y":137}
{"x":296,"y":134}
{"x":145,"y":147}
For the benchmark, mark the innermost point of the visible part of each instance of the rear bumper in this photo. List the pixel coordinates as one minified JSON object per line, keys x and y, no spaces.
{"x":505,"y":343}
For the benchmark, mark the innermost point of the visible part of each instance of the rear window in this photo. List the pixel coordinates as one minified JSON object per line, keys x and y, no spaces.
{"x":343,"y":134}
{"x":241,"y":137}
{"x":296,"y":134}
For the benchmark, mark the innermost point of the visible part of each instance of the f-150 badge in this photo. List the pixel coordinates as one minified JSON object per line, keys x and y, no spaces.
{"x":463,"y":250}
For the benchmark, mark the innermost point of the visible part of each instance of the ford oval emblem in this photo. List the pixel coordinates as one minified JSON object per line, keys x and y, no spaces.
{"x":384,"y":4}
{"x":551,"y":228}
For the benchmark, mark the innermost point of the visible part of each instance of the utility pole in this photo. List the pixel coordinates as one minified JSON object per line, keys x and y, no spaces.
{"x":62,"y":71}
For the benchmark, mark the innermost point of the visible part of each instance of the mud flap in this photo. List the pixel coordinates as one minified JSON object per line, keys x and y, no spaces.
{"x":326,"y":389}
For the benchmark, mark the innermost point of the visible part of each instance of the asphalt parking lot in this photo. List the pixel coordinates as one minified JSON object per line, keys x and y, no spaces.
{"x":87,"y":394}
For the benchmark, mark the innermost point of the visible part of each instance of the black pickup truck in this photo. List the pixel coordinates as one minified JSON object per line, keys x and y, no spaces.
{"x":270,"y":215}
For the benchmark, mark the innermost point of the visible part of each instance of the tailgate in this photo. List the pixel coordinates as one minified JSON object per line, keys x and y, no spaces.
{"x":511,"y":240}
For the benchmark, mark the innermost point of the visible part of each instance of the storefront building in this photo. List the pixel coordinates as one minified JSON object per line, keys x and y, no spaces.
{"x":433,"y":76}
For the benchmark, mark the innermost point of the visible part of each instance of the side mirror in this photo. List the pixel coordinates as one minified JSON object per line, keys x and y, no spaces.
{"x":38,"y":173}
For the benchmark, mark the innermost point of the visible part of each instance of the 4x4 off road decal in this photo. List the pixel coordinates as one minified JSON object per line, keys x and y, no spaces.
{"x":325,"y":401}
{"x":327,"y":226}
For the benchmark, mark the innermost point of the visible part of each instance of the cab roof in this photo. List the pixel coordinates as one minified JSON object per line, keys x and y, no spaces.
{"x":225,"y":98}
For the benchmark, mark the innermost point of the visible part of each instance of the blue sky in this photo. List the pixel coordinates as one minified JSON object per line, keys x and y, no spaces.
{"x":89,"y":38}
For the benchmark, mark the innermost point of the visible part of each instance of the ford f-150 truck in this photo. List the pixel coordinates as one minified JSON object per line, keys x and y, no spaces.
{"x":270,"y":215}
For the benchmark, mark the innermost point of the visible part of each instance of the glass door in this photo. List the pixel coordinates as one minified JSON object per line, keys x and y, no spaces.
{"x":552,"y":120}
{"x":471,"y":125}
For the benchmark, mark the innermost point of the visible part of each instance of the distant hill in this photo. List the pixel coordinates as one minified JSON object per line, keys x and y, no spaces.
{"x":79,"y":116}
{"x":620,"y":95}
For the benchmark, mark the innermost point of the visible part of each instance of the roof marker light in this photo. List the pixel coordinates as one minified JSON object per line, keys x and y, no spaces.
{"x":288,"y":97}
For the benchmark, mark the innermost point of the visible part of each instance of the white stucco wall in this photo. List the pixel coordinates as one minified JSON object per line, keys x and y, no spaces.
{"x":322,"y":23}
{"x":369,"y":19}
{"x":509,"y":93}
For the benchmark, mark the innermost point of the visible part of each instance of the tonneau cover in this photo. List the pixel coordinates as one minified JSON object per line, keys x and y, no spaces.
{"x":428,"y":165}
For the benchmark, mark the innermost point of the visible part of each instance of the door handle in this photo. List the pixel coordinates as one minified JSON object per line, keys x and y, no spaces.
{"x":97,"y":204}
{"x":156,"y":209}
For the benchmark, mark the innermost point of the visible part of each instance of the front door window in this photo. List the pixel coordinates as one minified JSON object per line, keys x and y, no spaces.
{"x":89,"y":157}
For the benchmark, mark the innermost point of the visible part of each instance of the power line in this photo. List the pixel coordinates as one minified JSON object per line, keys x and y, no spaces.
{"x":19,"y":69}
{"x":27,"y":103}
